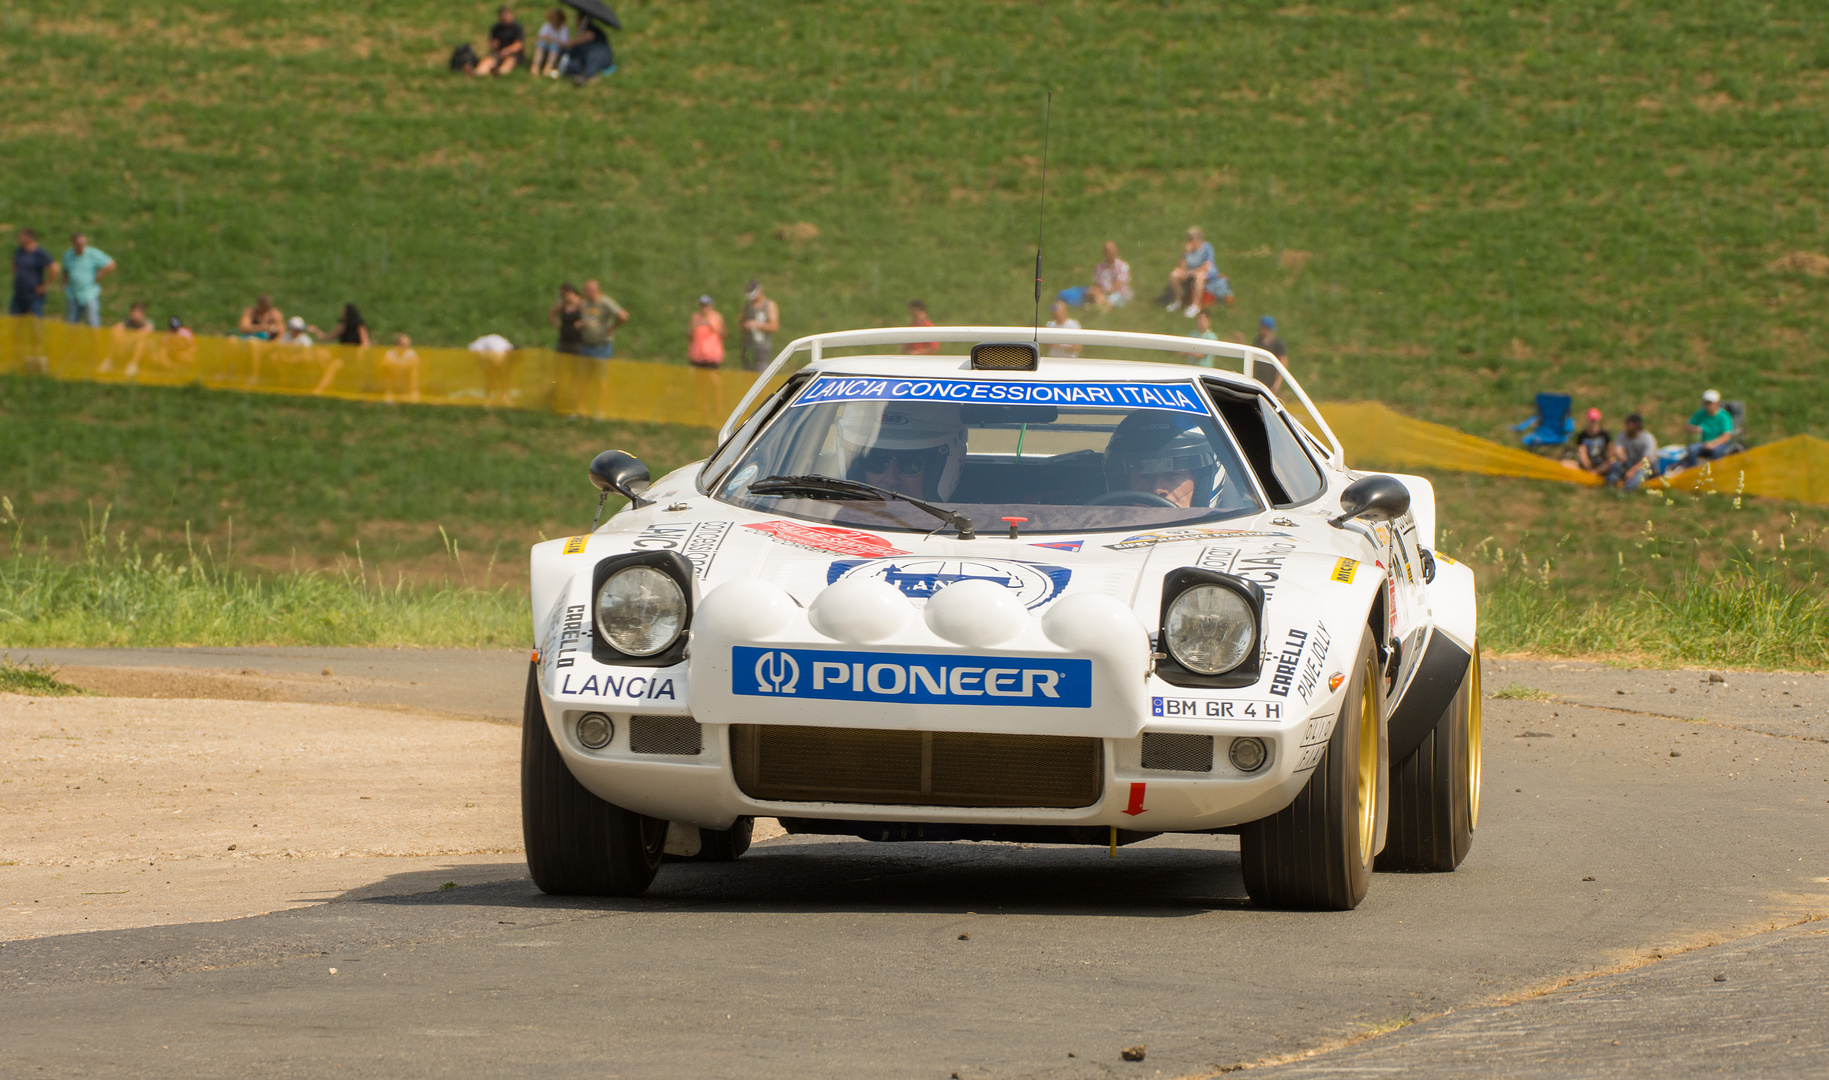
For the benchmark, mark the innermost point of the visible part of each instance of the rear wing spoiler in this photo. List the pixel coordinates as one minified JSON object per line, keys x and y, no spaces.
{"x":1254,"y":363}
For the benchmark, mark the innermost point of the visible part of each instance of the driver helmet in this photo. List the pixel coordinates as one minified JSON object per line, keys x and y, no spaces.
{"x":928,"y":437}
{"x":1158,"y":442}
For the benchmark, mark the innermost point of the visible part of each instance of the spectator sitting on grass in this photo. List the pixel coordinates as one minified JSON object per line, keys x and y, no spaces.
{"x":350,"y":329}
{"x":590,"y":54}
{"x":33,"y":270}
{"x":1110,"y":286}
{"x":1195,"y":274}
{"x":1059,"y":319}
{"x":1715,"y":429}
{"x":133,"y":341}
{"x":917,"y":316}
{"x":549,"y":47}
{"x":1635,"y":455}
{"x":1593,"y":446}
{"x":400,"y":371}
{"x":180,"y":343}
{"x":496,"y":355}
{"x":262,"y":321}
{"x":507,"y":41}
{"x":305,"y":350}
{"x":1203,"y":328}
{"x":296,"y":333}
{"x":84,"y":267}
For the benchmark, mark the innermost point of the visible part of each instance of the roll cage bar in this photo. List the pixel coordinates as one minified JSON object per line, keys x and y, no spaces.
{"x":1249,"y":356}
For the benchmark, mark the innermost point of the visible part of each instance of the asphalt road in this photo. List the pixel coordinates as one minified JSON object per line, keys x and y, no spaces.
{"x":1631,"y":847}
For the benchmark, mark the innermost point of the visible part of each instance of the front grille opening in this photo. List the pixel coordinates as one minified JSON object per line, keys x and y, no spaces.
{"x":665,"y":735}
{"x":915,"y":768}
{"x":1177,"y":753}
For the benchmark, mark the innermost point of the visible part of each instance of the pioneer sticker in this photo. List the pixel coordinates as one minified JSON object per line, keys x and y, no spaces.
{"x":1034,"y":584}
{"x":827,"y":538}
{"x":911,"y":678}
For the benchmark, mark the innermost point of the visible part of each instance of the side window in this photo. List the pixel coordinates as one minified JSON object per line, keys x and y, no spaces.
{"x":739,"y":440}
{"x":1283,"y":467}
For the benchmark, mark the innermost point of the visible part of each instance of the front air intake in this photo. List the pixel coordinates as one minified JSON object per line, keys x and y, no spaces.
{"x":1177,"y":753}
{"x":782,"y":763}
{"x":665,"y":735}
{"x":1005,"y":356}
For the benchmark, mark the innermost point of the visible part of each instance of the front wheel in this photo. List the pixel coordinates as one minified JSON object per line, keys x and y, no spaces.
{"x":577,"y":844}
{"x":1435,"y":792}
{"x":1316,"y":853}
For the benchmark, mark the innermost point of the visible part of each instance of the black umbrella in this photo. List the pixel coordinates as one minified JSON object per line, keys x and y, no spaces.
{"x":598,"y":10}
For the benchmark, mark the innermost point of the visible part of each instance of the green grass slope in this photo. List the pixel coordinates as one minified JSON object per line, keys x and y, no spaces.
{"x":1449,"y":205}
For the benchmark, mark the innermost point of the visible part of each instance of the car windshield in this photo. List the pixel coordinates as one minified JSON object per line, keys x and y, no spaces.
{"x":1144,"y":455}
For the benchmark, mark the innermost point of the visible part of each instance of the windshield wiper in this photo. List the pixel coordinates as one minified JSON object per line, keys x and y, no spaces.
{"x":827,"y":487}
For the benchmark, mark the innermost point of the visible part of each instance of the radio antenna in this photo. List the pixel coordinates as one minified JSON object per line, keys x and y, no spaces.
{"x":1042,"y":214}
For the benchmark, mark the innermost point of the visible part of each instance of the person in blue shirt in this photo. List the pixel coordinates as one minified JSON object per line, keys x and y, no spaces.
{"x":32,"y":272}
{"x":84,"y":268}
{"x":1195,"y":273}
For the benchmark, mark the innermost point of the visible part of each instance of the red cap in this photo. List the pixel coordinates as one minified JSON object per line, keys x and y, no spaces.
{"x":1594,"y":414}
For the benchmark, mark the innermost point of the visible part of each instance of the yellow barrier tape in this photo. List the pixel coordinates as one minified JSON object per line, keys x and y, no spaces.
{"x":1378,"y":436}
{"x":538,"y":379}
{"x":1374,"y":435}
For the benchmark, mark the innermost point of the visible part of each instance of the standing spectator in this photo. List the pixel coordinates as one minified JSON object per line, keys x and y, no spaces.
{"x":1203,"y":329}
{"x":1635,"y":456}
{"x":1593,"y":446}
{"x":705,"y":333}
{"x":597,"y":324}
{"x":550,"y":44}
{"x":33,"y":271}
{"x":84,"y":267}
{"x":761,"y":318}
{"x":1195,"y":274}
{"x":261,"y":321}
{"x":1059,"y":319}
{"x":400,"y":371}
{"x":917,"y":316}
{"x":507,"y":43}
{"x":564,"y":316}
{"x":1268,"y":341}
{"x":1714,"y":429}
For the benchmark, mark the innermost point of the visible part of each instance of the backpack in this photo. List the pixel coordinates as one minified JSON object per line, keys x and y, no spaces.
{"x":463,"y":58}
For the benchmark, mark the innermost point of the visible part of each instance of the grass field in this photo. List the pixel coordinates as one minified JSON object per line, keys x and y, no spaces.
{"x":1449,"y":205}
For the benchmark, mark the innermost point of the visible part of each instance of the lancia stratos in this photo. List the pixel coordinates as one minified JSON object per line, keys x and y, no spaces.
{"x":1008,"y":596}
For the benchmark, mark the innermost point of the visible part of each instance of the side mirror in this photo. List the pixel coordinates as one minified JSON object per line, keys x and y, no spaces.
{"x":623,"y":473}
{"x":1374,"y":498}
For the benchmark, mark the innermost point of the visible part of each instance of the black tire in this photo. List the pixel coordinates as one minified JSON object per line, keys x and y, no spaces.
{"x":1435,"y":792}
{"x":1316,"y":854}
{"x":577,"y":844}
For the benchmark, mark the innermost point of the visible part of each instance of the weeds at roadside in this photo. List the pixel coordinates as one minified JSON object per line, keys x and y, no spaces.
{"x":1515,"y":692}
{"x":33,"y":679}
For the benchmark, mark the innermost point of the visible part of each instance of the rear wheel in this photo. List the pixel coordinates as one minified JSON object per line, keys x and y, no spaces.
{"x":1316,"y":854}
{"x":577,"y":844}
{"x":1435,"y":792}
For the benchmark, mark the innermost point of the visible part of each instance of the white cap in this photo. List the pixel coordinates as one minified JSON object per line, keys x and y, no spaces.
{"x":1711,"y":395}
{"x":297,"y":322}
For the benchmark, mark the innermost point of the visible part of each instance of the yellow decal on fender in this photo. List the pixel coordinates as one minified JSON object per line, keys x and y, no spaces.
{"x":1344,"y":569}
{"x":575,"y":545}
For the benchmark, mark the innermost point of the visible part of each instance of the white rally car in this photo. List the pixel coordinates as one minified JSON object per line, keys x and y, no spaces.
{"x":1006,"y":596}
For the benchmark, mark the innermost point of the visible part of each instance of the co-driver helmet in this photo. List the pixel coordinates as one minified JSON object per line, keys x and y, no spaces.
{"x":1152,"y":441}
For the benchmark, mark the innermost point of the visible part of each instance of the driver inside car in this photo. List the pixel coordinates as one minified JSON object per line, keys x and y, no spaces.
{"x":1162,"y":455}
{"x":911,"y":448}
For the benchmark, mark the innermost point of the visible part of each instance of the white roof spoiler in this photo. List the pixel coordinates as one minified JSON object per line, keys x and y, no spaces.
{"x":1250,"y":356}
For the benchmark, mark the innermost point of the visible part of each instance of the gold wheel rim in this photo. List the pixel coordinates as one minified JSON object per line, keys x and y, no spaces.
{"x":1368,"y":760}
{"x":1473,"y":743}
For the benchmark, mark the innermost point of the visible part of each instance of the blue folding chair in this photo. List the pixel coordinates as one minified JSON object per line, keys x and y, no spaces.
{"x":1552,"y":425}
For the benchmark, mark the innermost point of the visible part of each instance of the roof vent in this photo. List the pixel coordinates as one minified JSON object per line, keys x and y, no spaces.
{"x":1005,"y":356}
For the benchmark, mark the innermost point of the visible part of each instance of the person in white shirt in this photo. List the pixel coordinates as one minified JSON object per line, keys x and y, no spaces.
{"x":550,"y":44}
{"x":496,"y":354}
{"x":1058,"y":319}
{"x":1111,"y":280}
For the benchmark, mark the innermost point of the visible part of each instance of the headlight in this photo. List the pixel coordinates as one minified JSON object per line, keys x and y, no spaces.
{"x":640,"y":611}
{"x":1210,"y":629}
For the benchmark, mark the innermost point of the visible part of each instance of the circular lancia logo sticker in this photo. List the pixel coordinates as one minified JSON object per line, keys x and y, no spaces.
{"x":1032,"y":583}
